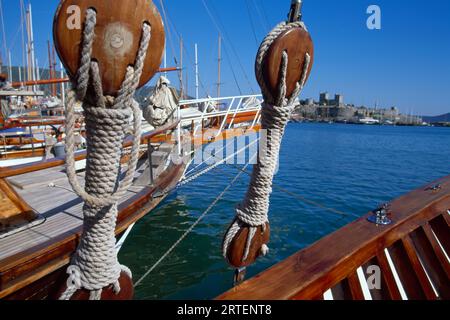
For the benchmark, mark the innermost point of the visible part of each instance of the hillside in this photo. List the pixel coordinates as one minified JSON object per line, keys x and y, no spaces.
{"x":437,"y":119}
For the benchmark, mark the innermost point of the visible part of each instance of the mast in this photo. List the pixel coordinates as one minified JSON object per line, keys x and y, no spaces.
{"x":29,"y":76}
{"x":50,"y":64}
{"x":196,"y":72}
{"x":33,"y":58}
{"x":165,"y":61}
{"x":10,"y":66}
{"x":5,"y":46}
{"x":20,"y":74}
{"x":31,"y":54}
{"x":181,"y":69}
{"x":63,"y":90}
{"x":219,"y":60}
{"x":38,"y":75}
{"x":54,"y":70}
{"x":187,"y":83}
{"x":22,"y":22}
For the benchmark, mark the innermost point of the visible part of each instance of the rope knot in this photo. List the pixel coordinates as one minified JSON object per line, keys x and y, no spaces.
{"x":74,"y":280}
{"x":265,"y":250}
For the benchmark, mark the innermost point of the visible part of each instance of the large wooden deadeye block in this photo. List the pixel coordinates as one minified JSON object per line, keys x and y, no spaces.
{"x":117,"y":37}
{"x":296,"y":42}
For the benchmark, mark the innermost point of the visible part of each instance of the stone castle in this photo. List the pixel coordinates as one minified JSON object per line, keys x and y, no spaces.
{"x":336,"y":110}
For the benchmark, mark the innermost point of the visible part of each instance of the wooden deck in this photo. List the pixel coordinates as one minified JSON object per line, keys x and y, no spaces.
{"x":59,"y":209}
{"x":34,"y":255}
{"x":412,"y":256}
{"x":35,"y":252}
{"x":13,"y":210}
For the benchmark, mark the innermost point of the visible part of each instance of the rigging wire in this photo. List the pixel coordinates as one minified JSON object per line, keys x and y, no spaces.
{"x":226,"y":52}
{"x":276,"y":186}
{"x":217,"y":24}
{"x":262,"y":15}
{"x":186,"y":50}
{"x":300,"y":197}
{"x":14,"y":41}
{"x":232,"y":71}
{"x":172,"y":47}
{"x":233,"y":48}
{"x":209,"y":158}
{"x":215,"y":165}
{"x":251,"y":21}
{"x":5,"y":47}
{"x":189,"y":231}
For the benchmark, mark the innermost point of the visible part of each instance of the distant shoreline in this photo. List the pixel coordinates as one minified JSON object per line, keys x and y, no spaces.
{"x":432,"y":125}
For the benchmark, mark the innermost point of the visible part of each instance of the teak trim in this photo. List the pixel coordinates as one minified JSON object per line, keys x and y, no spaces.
{"x":328,"y":262}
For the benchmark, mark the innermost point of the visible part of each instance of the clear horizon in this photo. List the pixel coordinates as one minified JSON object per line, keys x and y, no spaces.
{"x":405,"y":64}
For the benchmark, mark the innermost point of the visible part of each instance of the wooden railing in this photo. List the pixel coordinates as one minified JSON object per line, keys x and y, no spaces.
{"x":411,"y":256}
{"x":33,"y":122}
{"x":41,"y":165}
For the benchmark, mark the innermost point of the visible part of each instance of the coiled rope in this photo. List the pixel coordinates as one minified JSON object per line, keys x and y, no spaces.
{"x":95,"y":265}
{"x":254,"y":209}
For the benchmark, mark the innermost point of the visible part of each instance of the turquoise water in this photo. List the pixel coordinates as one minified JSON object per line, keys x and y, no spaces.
{"x":349,"y":168}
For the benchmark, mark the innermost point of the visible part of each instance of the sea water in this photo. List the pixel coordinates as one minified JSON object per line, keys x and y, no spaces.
{"x":349,"y":168}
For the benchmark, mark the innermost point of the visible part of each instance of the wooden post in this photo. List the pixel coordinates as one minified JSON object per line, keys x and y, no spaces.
{"x":32,"y":140}
{"x":150,"y":161}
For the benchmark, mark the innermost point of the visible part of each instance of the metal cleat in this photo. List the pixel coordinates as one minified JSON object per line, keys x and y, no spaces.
{"x":380,"y":216}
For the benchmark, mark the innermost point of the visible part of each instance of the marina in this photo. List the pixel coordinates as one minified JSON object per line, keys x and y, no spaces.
{"x":112,"y":189}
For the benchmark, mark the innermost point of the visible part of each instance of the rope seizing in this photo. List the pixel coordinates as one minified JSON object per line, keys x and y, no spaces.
{"x":95,"y":265}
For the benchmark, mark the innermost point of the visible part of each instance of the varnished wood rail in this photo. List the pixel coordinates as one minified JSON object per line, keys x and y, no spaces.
{"x":412,"y":255}
{"x":42,"y":165}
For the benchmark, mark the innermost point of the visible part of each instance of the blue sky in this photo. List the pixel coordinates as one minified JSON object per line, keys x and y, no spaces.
{"x":405,"y":64}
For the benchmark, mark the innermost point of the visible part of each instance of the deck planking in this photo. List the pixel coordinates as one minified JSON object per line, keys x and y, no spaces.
{"x":59,"y":207}
{"x":38,"y":179}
